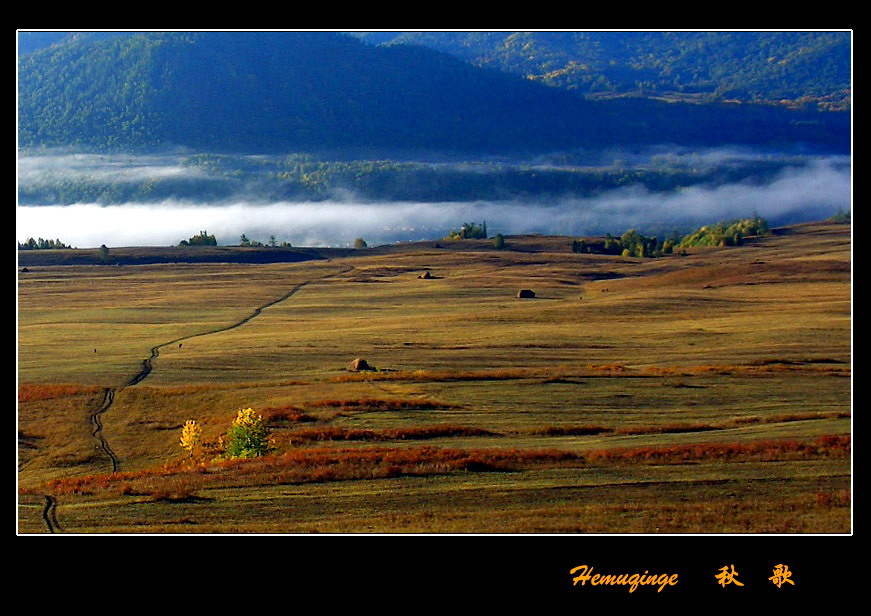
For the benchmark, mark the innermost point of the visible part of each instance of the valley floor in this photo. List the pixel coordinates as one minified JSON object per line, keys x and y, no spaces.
{"x":707,"y":393}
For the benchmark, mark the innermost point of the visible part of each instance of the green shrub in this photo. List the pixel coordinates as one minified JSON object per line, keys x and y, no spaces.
{"x":249,"y":437}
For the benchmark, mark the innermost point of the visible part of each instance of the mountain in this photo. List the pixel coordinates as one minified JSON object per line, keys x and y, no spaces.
{"x":786,"y":68}
{"x":292,"y":91}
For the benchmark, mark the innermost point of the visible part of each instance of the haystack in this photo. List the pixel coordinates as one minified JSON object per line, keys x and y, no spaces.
{"x":525,"y":293}
{"x":359,"y":365}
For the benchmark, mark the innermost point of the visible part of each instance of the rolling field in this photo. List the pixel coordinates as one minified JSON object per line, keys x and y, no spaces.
{"x":707,"y":393}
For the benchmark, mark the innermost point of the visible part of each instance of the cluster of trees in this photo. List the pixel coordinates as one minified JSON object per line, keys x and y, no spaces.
{"x":630,"y":244}
{"x":841,"y":217}
{"x":469,"y":230}
{"x":206,"y":239}
{"x":245,"y":241}
{"x":725,"y":234}
{"x":634,"y":244}
{"x":472,"y":230}
{"x":41,"y":244}
{"x":248,"y":437}
{"x":203,"y":239}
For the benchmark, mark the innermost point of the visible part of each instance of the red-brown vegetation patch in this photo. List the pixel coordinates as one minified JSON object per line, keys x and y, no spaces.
{"x":667,"y":429}
{"x":611,"y":368}
{"x":552,"y":374}
{"x":754,"y":368}
{"x":839,"y":498}
{"x":31,"y":392}
{"x":787,"y":417}
{"x":788,"y":449}
{"x":570,"y":430}
{"x":287,"y":413}
{"x":181,"y":480}
{"x":677,"y":428}
{"x":331,"y":433}
{"x":334,"y":433}
{"x":436,"y":376}
{"x":377,"y":404}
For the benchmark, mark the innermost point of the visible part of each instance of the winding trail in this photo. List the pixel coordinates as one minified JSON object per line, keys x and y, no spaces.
{"x":49,"y":513}
{"x":108,"y":399}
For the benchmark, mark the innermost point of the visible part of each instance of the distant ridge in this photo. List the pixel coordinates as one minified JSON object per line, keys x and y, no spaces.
{"x":790,"y":68}
{"x":290,"y":91}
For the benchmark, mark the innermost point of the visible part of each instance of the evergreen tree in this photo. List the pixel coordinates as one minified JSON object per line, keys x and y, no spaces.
{"x":249,"y":437}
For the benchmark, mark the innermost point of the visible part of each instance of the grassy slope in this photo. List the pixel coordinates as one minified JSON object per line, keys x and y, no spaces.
{"x":736,"y":345}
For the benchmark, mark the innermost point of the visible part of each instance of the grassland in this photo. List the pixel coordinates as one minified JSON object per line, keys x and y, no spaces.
{"x":707,"y":393}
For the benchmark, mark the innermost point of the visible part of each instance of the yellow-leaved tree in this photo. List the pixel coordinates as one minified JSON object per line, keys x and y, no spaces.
{"x":191,"y":435}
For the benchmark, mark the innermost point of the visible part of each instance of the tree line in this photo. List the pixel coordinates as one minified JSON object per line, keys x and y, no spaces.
{"x":634,"y":244}
{"x":216,"y":177}
{"x":630,"y":244}
{"x":41,"y":244}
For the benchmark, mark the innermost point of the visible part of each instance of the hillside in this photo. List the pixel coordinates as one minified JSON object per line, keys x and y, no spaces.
{"x":704,"y":393}
{"x":784,"y":68}
{"x":289,"y":91}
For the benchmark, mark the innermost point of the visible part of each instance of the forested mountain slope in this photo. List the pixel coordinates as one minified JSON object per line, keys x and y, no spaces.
{"x":290,"y":91}
{"x":791,"y":68}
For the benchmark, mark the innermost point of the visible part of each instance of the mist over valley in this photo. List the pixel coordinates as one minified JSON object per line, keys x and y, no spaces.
{"x":88,"y":199}
{"x":320,"y":138}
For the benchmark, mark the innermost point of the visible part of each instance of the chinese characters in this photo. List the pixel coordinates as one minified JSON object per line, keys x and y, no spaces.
{"x":781,"y":576}
{"x":727,"y":575}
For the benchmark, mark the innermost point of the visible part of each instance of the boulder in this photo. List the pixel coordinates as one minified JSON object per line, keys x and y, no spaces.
{"x":525,"y":293}
{"x":359,"y":365}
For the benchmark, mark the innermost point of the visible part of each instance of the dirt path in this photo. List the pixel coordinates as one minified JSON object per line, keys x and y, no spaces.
{"x":147,"y":364}
{"x":50,"y":512}
{"x":108,"y":399}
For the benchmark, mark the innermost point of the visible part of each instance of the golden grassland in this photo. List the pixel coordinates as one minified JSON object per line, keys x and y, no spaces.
{"x":707,"y":393}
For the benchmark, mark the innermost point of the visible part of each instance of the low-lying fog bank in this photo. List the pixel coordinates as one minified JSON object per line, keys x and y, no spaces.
{"x":812,"y":189}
